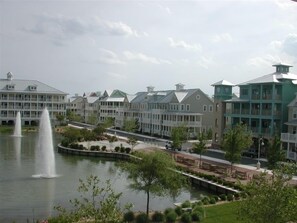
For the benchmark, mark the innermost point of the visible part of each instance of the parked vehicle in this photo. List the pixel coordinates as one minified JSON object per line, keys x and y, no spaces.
{"x":169,"y":145}
{"x":253,"y":153}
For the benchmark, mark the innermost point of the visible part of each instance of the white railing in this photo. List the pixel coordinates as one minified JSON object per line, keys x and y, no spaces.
{"x":288,"y":137}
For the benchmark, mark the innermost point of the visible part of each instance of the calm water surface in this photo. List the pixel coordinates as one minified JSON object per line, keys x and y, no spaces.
{"x":23,"y":197}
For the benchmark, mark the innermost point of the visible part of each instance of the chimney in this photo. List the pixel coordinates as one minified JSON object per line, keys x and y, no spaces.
{"x":179,"y":87}
{"x":150,"y":89}
{"x":9,"y":76}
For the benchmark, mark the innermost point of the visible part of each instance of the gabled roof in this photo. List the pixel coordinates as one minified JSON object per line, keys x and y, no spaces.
{"x":272,"y":78}
{"x":223,"y":82}
{"x":24,"y":86}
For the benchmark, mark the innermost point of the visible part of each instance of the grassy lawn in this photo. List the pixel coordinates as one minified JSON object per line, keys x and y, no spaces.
{"x":224,"y":213}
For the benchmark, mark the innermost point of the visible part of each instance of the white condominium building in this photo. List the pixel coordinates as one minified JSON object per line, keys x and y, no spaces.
{"x":29,"y":97}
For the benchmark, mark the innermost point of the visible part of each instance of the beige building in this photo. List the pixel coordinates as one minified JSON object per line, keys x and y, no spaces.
{"x":157,"y":112}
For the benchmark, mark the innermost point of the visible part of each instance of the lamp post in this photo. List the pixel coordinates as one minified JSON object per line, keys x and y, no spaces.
{"x":261,"y":143}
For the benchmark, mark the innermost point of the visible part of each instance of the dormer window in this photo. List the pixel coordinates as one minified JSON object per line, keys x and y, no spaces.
{"x":32,"y":87}
{"x":10,"y":87}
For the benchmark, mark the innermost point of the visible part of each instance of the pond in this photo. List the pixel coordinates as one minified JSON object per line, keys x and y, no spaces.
{"x":24,"y":197}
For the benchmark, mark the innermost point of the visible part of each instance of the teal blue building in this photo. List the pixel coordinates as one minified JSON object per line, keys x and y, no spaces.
{"x":262,"y":103}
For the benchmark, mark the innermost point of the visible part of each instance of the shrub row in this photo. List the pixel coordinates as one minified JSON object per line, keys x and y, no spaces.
{"x":169,"y":215}
{"x":214,"y":178}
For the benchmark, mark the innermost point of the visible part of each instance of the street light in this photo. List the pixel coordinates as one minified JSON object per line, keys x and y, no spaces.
{"x":261,"y":143}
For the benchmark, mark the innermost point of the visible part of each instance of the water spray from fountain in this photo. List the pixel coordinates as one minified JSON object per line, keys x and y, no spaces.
{"x":18,"y":126}
{"x":44,"y":153}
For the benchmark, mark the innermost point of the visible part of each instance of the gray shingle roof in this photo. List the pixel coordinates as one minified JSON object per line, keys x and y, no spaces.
{"x":23,"y":86}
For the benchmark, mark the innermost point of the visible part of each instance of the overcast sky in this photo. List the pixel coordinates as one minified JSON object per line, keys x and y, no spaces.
{"x":80,"y":46}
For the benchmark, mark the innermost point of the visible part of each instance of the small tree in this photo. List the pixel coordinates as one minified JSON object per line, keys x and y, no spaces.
{"x":92,"y":119}
{"x":271,"y":198}
{"x":235,"y":141}
{"x":109,"y":122}
{"x":200,"y":147}
{"x":132,"y":141}
{"x":178,"y":136}
{"x":275,"y":153}
{"x":111,"y":140}
{"x":98,"y":204}
{"x":154,"y":173}
{"x":130,"y":125}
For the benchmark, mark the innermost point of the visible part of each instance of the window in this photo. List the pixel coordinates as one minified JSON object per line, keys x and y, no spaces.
{"x":198,"y":97}
{"x":204,"y":108}
{"x":188,"y":107}
{"x":182,"y":107}
{"x":32,"y":87}
{"x":10,"y":87}
{"x":210,"y":108}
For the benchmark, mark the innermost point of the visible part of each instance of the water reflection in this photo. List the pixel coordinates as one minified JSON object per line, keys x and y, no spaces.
{"x":17,"y":148}
{"x":26,"y":197}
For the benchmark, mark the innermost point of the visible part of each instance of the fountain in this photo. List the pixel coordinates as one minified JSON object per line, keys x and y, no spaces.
{"x":45,"y":158}
{"x":18,"y":126}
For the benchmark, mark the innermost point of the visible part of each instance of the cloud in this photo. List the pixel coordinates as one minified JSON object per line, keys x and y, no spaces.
{"x":289,"y":45}
{"x":205,"y":62}
{"x":284,"y":4}
{"x":265,"y":60}
{"x":61,"y":28}
{"x":117,"y":75}
{"x":144,"y":58}
{"x":224,"y":37}
{"x":109,"y":57}
{"x":165,"y":8}
{"x":276,"y":45}
{"x":183,"y":44}
{"x":113,"y":28}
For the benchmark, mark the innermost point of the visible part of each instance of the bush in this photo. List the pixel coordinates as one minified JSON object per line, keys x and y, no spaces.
{"x":127,"y":149}
{"x":129,"y":216}
{"x":122,"y":149}
{"x":230,"y":197}
{"x":65,"y":142}
{"x":117,"y":148}
{"x":244,"y":195}
{"x":141,"y":218}
{"x":178,"y":210}
{"x":236,"y":196}
{"x":186,"y":218}
{"x":196,"y":216}
{"x":167,"y":210}
{"x":186,"y":204}
{"x":223,"y":197}
{"x":212,"y":201}
{"x":158,"y":217}
{"x":171,"y":216}
{"x":103,"y":148}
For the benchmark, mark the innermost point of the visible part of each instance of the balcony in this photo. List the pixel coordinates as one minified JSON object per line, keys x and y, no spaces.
{"x":288,"y":137}
{"x":266,"y":112}
{"x":255,"y":111}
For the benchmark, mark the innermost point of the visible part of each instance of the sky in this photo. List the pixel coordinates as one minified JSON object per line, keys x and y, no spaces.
{"x":82,"y":46}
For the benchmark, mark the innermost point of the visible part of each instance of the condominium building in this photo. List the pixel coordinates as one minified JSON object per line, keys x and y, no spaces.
{"x":157,"y":112}
{"x":110,"y":104}
{"x":29,"y":97}
{"x":289,"y":138}
{"x":86,"y":107}
{"x":262,"y":103}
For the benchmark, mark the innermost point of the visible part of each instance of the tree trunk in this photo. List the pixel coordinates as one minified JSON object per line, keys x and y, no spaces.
{"x":147,"y":204}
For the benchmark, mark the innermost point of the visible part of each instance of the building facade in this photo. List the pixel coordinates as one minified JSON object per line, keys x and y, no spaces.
{"x":157,"y":112}
{"x":263,"y":103}
{"x":289,"y":138}
{"x":222,"y":92}
{"x":29,"y":97}
{"x":85,"y":107}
